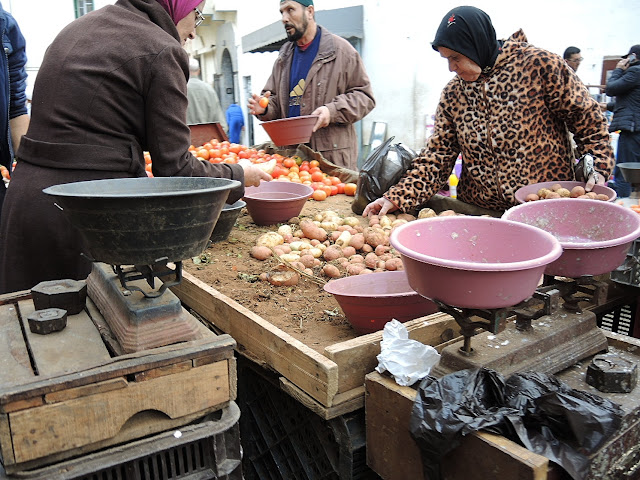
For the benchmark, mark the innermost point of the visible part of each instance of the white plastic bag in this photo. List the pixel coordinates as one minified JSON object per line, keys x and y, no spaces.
{"x":407,"y":360}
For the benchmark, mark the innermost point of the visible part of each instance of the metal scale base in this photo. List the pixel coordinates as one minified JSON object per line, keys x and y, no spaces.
{"x":545,"y":336}
{"x":138,"y":322}
{"x":554,"y":343}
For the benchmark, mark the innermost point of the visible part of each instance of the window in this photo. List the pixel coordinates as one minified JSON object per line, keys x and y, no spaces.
{"x":83,"y":6}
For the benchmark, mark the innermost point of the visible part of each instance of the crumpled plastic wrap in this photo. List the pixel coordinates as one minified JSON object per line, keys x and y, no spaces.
{"x":407,"y":360}
{"x":536,"y":410}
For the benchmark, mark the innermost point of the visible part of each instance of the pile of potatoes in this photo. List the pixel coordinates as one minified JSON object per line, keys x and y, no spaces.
{"x":332,"y":246}
{"x":558,"y":191}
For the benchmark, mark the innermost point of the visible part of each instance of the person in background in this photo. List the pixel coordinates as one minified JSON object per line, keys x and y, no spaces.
{"x":318,"y":73}
{"x":13,"y":75}
{"x":112,"y":85}
{"x":572,"y":57}
{"x":204,"y":104}
{"x":235,"y":120}
{"x":624,"y":85}
{"x":507,"y":111}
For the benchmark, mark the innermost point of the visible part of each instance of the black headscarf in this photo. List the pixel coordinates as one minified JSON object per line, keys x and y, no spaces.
{"x":469,"y":31}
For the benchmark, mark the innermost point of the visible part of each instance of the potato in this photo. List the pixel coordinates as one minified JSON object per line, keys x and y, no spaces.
{"x":332,"y":253}
{"x":357,"y":241}
{"x":563,"y":192}
{"x":371,"y":260}
{"x":307,"y":260}
{"x":374,"y":237}
{"x":603,"y":196}
{"x":312,"y":231}
{"x":283,"y":279}
{"x":393,"y":264}
{"x":355,"y":268}
{"x":269,"y":239}
{"x":556,"y":187}
{"x":348,"y":251}
{"x":427,"y":213}
{"x":577,"y":191}
{"x":260,"y":252}
{"x":331,"y":271}
{"x":532,"y":197}
{"x":543,"y":192}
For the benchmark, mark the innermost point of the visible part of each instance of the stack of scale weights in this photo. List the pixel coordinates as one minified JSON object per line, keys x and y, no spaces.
{"x":73,"y":405}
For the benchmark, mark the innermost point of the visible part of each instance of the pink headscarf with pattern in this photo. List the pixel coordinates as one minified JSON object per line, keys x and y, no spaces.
{"x":178,"y":9}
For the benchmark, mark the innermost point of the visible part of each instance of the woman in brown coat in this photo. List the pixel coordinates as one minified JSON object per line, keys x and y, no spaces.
{"x":112,"y":85}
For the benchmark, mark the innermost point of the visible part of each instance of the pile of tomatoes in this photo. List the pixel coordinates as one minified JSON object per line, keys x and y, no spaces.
{"x":281,"y":168}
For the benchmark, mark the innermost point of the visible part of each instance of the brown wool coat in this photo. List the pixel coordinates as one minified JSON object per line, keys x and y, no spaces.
{"x":337,"y":79}
{"x":112,"y":85}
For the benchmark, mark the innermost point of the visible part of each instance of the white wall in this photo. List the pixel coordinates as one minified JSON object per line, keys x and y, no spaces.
{"x":406,"y":74}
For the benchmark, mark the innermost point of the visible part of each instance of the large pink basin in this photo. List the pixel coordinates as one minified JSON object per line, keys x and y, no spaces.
{"x":276,"y":201}
{"x":370,"y":301}
{"x":595,"y":235}
{"x":474,"y":262}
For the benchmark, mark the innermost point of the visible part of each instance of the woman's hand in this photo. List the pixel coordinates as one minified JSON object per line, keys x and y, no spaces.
{"x":594,"y":179}
{"x":254,"y":175}
{"x":381,"y":206}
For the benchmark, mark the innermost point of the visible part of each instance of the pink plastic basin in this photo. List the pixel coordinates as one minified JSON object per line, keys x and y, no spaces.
{"x":595,"y":235}
{"x":521,"y":193}
{"x":290,"y":131}
{"x":370,"y":301}
{"x":276,"y":202}
{"x":474,"y":262}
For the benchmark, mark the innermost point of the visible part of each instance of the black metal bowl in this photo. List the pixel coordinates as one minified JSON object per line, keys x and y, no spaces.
{"x":630,"y":171}
{"x":138,"y":221}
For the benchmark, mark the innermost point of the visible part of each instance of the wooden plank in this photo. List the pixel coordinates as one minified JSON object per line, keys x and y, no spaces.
{"x":14,"y":297}
{"x":343,"y":403}
{"x":121,"y":366}
{"x":15,"y":365}
{"x":357,"y":357}
{"x":6,"y":450}
{"x":23,"y":404}
{"x":391,"y":451}
{"x":162,"y":371}
{"x":309,"y":370}
{"x":492,"y":456}
{"x":101,"y":324}
{"x":78,"y":347}
{"x":394,"y":455}
{"x":93,"y":389}
{"x":48,"y":429}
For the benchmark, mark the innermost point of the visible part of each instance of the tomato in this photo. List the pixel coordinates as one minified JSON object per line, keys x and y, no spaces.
{"x":350,"y":189}
{"x":203,"y":153}
{"x":334,"y":189}
{"x":235,"y":148}
{"x":263,"y":102}
{"x":314,"y":163}
{"x":326,"y":188}
{"x":319,"y":195}
{"x":335,"y":180}
{"x":340,"y":187}
{"x":289,"y":162}
{"x":317,"y":176}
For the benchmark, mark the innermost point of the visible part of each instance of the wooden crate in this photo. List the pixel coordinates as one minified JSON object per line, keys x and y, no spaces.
{"x":332,"y":383}
{"x":64,"y":394}
{"x":394,"y":455}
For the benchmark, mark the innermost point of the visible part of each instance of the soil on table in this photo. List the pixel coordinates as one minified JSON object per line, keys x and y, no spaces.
{"x":304,"y":311}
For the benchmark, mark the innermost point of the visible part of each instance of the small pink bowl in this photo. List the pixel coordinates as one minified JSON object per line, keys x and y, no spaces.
{"x":474,"y":262}
{"x":595,"y":235}
{"x":276,"y":202}
{"x":290,"y":131}
{"x":522,"y":192}
{"x":370,"y":301}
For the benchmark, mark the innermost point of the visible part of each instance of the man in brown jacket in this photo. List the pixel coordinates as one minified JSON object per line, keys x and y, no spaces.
{"x":318,"y":73}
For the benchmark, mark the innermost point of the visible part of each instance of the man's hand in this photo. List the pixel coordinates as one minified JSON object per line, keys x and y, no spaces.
{"x":254,"y":104}
{"x":323,"y":117}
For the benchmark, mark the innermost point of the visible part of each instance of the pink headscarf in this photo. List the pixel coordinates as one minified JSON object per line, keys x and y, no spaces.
{"x":178,"y":9}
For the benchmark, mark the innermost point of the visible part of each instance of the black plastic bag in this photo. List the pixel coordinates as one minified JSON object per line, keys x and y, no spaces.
{"x":536,"y":410}
{"x":382,"y":169}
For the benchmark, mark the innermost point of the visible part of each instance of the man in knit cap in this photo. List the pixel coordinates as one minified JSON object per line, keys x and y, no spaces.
{"x":318,"y":73}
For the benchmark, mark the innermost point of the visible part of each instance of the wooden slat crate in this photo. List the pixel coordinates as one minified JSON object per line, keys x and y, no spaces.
{"x":64,"y":394}
{"x":332,"y":383}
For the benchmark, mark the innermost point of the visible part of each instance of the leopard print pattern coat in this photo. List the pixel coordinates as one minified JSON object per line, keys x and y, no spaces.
{"x":511,"y":127}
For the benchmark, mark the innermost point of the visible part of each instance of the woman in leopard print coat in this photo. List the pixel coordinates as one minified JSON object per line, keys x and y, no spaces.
{"x":508,"y":111}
